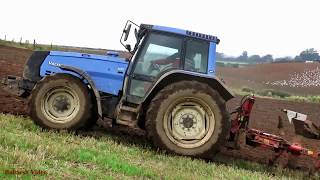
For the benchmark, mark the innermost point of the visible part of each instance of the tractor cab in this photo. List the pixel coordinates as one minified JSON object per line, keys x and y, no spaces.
{"x":157,"y":50}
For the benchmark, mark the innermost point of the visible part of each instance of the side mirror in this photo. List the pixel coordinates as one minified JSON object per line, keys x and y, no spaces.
{"x":128,"y":47}
{"x":126,"y":40}
{"x":127,"y":32}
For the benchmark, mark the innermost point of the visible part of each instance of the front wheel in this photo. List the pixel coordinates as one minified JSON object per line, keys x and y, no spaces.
{"x":60,"y":102}
{"x":188,"y":118}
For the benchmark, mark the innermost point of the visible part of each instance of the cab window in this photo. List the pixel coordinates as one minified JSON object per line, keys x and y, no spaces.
{"x":161,"y":53}
{"x":196,"y":58}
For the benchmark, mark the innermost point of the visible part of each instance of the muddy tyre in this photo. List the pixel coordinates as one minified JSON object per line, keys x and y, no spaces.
{"x":188,"y":118}
{"x":60,"y":102}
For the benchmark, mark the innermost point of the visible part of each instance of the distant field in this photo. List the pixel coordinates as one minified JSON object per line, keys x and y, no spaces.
{"x":25,"y":147}
{"x":301,"y":79}
{"x":46,"y":47}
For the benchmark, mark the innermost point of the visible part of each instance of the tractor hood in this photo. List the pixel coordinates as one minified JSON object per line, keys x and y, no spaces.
{"x":109,"y":57}
{"x":107,"y":71}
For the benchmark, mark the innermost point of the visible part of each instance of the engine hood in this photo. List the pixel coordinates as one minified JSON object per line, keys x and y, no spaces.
{"x":107,"y":72}
{"x":89,"y":56}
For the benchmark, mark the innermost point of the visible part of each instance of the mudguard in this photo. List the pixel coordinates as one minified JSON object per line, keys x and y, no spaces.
{"x":85,"y":76}
{"x":31,"y":70}
{"x":178,"y":75}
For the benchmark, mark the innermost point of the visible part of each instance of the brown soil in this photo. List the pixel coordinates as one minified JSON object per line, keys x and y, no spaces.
{"x":12,"y":61}
{"x":264,"y":116}
{"x":270,"y":76}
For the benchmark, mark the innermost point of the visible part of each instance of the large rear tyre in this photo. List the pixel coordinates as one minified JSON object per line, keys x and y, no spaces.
{"x":188,"y":118}
{"x":60,"y":102}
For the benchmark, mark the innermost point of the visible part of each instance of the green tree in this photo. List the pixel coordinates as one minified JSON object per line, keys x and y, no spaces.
{"x":310,"y":55}
{"x":220,"y":56}
{"x":254,"y":58}
{"x":267,"y":58}
{"x":285,"y":58}
{"x":243,"y":56}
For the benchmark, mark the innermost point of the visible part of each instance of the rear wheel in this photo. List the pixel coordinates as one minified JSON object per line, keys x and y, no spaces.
{"x":188,"y":118}
{"x":60,"y":102}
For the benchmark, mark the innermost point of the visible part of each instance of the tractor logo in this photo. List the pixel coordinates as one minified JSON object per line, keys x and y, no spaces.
{"x":54,"y":64}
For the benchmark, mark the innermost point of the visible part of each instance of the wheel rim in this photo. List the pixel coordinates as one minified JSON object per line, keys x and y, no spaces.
{"x":189,"y":122}
{"x":60,"y":105}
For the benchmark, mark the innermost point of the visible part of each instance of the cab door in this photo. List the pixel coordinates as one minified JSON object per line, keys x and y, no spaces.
{"x":160,"y":53}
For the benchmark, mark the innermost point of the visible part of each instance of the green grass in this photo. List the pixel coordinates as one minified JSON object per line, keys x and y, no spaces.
{"x":314,"y":99}
{"x":276,"y":94}
{"x":25,"y":147}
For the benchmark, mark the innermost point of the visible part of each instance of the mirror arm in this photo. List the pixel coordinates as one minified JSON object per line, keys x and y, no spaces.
{"x":138,"y":37}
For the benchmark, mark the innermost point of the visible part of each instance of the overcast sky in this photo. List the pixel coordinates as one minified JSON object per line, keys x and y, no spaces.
{"x":278,"y":27}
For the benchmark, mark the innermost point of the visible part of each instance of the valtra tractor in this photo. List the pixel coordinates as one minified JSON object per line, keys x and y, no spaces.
{"x":167,"y":87}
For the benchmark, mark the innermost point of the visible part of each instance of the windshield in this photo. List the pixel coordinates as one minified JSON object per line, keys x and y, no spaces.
{"x":161,"y":52}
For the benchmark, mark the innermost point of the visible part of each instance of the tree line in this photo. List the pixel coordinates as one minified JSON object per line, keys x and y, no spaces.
{"x":305,"y":55}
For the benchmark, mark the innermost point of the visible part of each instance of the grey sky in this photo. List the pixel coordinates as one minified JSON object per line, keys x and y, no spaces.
{"x":279,"y":27}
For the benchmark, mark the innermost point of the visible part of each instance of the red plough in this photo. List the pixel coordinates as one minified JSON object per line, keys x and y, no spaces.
{"x":259,"y":138}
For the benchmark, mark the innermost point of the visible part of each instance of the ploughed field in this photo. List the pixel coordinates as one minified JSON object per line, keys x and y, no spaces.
{"x":265,"y":112}
{"x":12,"y":61}
{"x":294,"y":78}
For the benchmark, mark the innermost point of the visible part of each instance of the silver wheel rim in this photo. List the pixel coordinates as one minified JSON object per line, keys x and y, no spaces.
{"x":60,"y":105}
{"x":189,"y":122}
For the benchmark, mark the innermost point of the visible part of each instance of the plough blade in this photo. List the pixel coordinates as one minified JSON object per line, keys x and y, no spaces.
{"x":302,"y":125}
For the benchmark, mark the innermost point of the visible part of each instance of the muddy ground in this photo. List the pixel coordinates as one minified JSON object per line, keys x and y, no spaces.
{"x":11,"y":63}
{"x":264,"y":116}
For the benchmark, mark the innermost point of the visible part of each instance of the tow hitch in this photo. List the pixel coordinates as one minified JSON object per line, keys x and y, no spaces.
{"x":17,"y":86}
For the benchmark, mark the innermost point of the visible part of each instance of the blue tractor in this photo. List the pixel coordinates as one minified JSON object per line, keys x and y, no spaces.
{"x":167,"y":87}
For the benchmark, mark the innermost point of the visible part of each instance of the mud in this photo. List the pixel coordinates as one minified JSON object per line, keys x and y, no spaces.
{"x":11,"y":63}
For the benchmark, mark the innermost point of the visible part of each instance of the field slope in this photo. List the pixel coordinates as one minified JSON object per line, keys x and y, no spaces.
{"x":25,"y":147}
{"x":301,"y":79}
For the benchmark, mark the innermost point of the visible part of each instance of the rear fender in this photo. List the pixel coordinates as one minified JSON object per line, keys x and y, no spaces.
{"x":31,"y":70}
{"x":179,"y":75}
{"x":85,"y":76}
